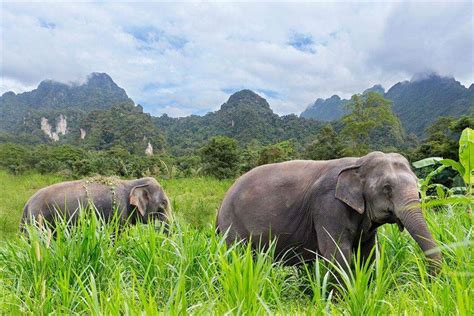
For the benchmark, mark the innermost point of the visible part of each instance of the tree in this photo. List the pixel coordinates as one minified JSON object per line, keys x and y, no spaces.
{"x":443,"y":137}
{"x":220,"y":157}
{"x":122,"y":125}
{"x":14,"y":157}
{"x":250,"y":156}
{"x":369,"y":112}
{"x":279,"y":152}
{"x":327,"y":145}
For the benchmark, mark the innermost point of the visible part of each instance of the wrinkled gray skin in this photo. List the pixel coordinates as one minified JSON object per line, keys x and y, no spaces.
{"x":312,"y":206}
{"x":138,"y":200}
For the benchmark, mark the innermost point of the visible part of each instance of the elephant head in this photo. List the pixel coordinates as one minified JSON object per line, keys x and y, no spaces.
{"x":150,"y":200}
{"x":385,"y":188}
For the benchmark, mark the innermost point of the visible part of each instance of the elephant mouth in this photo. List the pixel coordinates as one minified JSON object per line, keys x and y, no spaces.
{"x":390,"y":218}
{"x":400,"y":225}
{"x":161,"y":215}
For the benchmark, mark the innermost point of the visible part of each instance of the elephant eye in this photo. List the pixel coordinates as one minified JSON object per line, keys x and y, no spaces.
{"x":387,"y":189}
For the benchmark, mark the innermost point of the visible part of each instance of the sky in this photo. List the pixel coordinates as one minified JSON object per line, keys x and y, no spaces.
{"x":187,"y":58}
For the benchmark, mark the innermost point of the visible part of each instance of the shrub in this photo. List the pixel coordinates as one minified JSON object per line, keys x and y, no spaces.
{"x":14,"y":157}
{"x":279,"y":152}
{"x":327,"y":145}
{"x":220,"y":157}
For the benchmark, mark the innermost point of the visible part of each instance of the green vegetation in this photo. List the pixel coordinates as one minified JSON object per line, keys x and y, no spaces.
{"x":193,"y":271}
{"x":442,"y":137}
{"x":327,"y":145}
{"x":14,"y":192}
{"x":100,"y":116}
{"x":370,"y":125}
{"x":77,"y":162}
{"x":279,"y":152}
{"x":418,"y":103}
{"x":123,"y":125}
{"x":464,"y":168}
{"x":221,"y":157}
{"x":246,"y":117}
{"x":20,"y":114}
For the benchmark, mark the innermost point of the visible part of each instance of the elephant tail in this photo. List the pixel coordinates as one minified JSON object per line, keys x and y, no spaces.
{"x":24,"y":219}
{"x":218,"y":231}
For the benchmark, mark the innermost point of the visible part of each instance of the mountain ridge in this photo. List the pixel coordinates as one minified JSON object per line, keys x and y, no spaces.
{"x":55,"y":109}
{"x":245,"y":97}
{"x":245,"y":116}
{"x":55,"y":94}
{"x":417,"y":102}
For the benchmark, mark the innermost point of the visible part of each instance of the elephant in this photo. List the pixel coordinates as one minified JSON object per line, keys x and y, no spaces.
{"x":137,"y":200}
{"x":328,"y":208}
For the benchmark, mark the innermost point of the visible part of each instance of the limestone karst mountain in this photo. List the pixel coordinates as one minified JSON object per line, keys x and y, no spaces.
{"x":245,"y":116}
{"x":418,"y":102}
{"x":58,"y":104}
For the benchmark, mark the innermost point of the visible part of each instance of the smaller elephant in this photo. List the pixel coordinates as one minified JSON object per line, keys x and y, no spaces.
{"x":135,"y":201}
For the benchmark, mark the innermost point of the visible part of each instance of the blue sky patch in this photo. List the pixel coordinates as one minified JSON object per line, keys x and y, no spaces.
{"x":302,"y":42}
{"x":149,"y":35}
{"x":270,"y":93}
{"x":46,"y":24}
{"x":230,"y":90}
{"x":155,"y":86}
{"x":146,"y":34}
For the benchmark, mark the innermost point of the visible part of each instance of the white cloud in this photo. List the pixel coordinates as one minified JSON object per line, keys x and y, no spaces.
{"x":180,"y":58}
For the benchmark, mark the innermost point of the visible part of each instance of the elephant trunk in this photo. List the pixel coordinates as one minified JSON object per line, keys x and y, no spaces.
{"x":410,"y":215}
{"x":166,"y":216}
{"x":169,"y":212}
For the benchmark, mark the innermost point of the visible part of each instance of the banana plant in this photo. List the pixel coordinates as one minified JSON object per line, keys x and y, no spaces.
{"x":466,"y":157}
{"x":465,"y":167}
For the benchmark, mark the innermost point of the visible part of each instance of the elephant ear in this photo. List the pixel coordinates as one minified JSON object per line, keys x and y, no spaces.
{"x":139,"y":198}
{"x":349,"y":188}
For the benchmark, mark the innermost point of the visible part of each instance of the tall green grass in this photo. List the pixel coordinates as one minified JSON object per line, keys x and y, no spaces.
{"x":92,"y":269}
{"x":14,"y":192}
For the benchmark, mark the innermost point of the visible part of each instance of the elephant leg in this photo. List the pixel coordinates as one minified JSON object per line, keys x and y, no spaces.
{"x":367,"y":254}
{"x":338,"y":251}
{"x":340,"y":256}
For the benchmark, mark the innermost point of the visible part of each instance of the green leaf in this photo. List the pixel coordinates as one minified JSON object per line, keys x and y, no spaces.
{"x":453,"y":199}
{"x":440,"y":191}
{"x":453,"y":164}
{"x":426,"y":162}
{"x":466,"y":155}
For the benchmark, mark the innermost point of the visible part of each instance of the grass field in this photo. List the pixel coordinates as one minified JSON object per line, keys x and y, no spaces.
{"x":193,"y":271}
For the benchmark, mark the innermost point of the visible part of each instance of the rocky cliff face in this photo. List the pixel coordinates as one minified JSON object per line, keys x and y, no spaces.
{"x":53,"y":109}
{"x":23,"y":112}
{"x":61,"y":127}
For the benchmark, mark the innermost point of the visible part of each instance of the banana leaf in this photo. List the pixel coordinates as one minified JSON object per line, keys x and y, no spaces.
{"x":426,"y":162}
{"x":466,"y":155}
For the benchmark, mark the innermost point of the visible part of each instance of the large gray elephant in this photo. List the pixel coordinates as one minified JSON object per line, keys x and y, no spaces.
{"x":326,"y":207}
{"x":135,"y":200}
